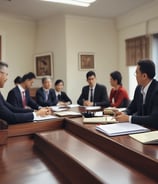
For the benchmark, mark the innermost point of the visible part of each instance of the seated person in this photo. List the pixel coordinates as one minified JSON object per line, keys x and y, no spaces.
{"x":93,"y":94}
{"x":17,"y":80}
{"x":143,"y":109}
{"x":61,"y":96}
{"x":118,"y":94}
{"x":19,"y":96}
{"x":45,"y":96}
{"x":12,"y":114}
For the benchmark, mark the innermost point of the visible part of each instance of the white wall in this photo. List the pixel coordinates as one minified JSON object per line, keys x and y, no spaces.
{"x":50,"y":37}
{"x":89,"y":35}
{"x":18,"y":37}
{"x":138,"y":22}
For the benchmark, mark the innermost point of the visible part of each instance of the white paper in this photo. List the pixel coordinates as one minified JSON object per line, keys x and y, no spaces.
{"x":103,"y":119}
{"x":73,"y":105}
{"x":92,"y":107}
{"x":121,"y":128}
{"x":68,"y":113}
{"x":41,"y":118}
{"x":147,"y":137}
{"x":58,"y":108}
{"x":116,"y":109}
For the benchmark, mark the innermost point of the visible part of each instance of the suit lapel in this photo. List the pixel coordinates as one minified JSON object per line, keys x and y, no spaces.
{"x":18,"y":94}
{"x":95,"y":94}
{"x":149,"y":93}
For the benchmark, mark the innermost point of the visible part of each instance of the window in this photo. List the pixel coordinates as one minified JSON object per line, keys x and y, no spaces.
{"x":0,"y":48}
{"x":136,"y":48}
{"x":154,"y":52}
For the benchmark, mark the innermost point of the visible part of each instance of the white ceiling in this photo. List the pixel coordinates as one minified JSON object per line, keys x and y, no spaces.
{"x":35,"y":9}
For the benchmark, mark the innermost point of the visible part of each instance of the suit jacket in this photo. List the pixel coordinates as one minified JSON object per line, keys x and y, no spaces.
{"x":12,"y":114}
{"x":14,"y":98}
{"x":64,"y":98}
{"x":41,"y":100}
{"x":146,"y":114}
{"x":100,"y":96}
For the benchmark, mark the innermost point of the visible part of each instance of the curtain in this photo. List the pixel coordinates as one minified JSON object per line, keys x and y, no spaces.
{"x":136,"y":49}
{"x":0,"y":48}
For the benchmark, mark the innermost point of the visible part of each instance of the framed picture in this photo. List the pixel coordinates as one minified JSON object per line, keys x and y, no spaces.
{"x":44,"y":65}
{"x":86,"y":61}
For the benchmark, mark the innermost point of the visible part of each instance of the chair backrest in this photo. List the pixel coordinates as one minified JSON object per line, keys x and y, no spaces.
{"x":3,"y":124}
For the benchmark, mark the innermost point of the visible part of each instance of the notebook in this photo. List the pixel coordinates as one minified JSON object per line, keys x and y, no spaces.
{"x":41,"y":118}
{"x":147,"y":137}
{"x":121,"y":129}
{"x":67,"y":113}
{"x":102,"y":120}
{"x":92,"y":108}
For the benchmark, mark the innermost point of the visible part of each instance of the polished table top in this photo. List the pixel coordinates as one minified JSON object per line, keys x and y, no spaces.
{"x":126,"y":146}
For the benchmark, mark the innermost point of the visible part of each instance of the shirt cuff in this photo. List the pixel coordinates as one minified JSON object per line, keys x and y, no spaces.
{"x":34,"y":116}
{"x":130,"y":119}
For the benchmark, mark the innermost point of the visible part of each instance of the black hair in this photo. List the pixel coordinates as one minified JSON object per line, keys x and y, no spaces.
{"x":58,"y":81}
{"x":116,"y":75}
{"x":28,"y":76}
{"x":17,"y":80}
{"x":90,"y":73}
{"x":147,"y":66}
{"x":3,"y":64}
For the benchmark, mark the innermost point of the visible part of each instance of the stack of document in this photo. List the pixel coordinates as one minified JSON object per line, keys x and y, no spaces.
{"x":121,"y":129}
{"x":92,"y":108}
{"x":147,"y":137}
{"x":58,"y":108}
{"x":102,"y":120}
{"x":41,"y":118}
{"x":67,"y":113}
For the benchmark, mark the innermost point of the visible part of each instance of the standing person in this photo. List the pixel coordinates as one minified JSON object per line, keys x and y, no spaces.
{"x":10,"y":113}
{"x":61,"y":96}
{"x":118,"y":94}
{"x":93,"y":94}
{"x":45,"y":96}
{"x":143,"y":109}
{"x":19,"y":96}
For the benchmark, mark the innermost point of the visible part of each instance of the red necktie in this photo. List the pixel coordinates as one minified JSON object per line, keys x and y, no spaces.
{"x":23,"y":99}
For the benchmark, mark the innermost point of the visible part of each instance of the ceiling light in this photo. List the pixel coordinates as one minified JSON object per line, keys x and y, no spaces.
{"x":84,"y":3}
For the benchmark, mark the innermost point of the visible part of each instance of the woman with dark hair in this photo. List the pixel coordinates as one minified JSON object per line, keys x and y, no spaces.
{"x":118,"y":95}
{"x":62,"y":98}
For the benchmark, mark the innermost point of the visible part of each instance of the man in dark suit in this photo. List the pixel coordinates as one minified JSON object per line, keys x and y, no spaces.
{"x":12,"y":114}
{"x":61,"y":96}
{"x":143,"y":109}
{"x":19,"y":96}
{"x":94,"y":94}
{"x":45,"y":96}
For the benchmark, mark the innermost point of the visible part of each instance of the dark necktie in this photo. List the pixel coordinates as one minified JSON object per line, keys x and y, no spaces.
{"x":91,"y":94}
{"x":59,"y":97}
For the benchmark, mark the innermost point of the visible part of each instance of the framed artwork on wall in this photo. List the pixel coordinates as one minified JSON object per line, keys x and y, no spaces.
{"x":43,"y":65}
{"x":86,"y":61}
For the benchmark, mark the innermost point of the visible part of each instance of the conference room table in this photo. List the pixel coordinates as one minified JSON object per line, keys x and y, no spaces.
{"x":66,"y":150}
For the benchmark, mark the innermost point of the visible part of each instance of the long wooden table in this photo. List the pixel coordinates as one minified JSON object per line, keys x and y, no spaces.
{"x":24,"y":159}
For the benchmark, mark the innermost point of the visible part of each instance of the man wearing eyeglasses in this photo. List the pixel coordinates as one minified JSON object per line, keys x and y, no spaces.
{"x":143,"y":109}
{"x":13,"y":114}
